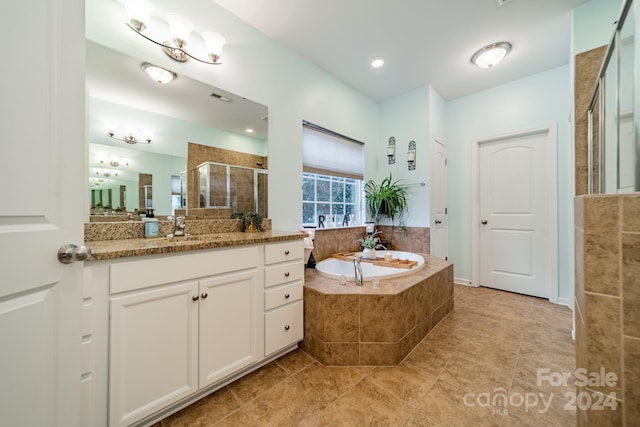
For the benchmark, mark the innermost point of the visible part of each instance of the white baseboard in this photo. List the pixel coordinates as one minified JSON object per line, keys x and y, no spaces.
{"x":461,"y":281}
{"x":566,"y":302}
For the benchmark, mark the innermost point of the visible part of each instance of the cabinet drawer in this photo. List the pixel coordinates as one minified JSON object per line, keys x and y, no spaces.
{"x":285,"y":273}
{"x":282,"y":295}
{"x":282,"y":327}
{"x":286,"y":251}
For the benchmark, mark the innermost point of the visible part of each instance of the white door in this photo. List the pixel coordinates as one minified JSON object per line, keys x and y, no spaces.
{"x":41,"y":208}
{"x":516,"y":210}
{"x":439,"y":226}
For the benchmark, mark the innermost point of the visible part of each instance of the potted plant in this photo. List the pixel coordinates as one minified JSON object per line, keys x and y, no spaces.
{"x":369,"y":244}
{"x":251,"y":222}
{"x":388,"y":198}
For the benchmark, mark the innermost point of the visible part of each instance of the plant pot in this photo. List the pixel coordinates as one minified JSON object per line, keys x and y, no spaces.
{"x":251,"y":228}
{"x":369,"y":253}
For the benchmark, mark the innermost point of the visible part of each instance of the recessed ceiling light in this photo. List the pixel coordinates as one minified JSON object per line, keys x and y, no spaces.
{"x":249,"y":130}
{"x":377,"y":63}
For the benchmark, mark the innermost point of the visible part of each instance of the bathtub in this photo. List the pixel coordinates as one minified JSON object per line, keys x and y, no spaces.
{"x":334,"y":268}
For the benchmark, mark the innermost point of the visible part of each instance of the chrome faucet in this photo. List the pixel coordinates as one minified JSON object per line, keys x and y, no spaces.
{"x":179,"y":225}
{"x":358,"y":272}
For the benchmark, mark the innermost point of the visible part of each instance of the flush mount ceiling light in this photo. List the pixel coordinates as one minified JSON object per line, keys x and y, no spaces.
{"x":138,"y":13}
{"x":490,"y":55}
{"x":158,"y":74}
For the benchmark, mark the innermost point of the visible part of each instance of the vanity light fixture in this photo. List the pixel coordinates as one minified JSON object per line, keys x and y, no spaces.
{"x":391,"y":150}
{"x":116,"y":162}
{"x":411,"y":156}
{"x":490,"y":55}
{"x":138,"y":12}
{"x":129,"y":139}
{"x":158,"y":74}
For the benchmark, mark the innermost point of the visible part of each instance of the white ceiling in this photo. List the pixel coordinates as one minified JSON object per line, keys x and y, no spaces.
{"x":422,"y":41}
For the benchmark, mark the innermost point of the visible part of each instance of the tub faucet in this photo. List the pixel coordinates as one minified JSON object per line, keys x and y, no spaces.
{"x":358,"y":272}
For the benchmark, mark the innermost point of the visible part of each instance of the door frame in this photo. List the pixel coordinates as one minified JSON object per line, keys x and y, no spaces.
{"x":552,"y":189}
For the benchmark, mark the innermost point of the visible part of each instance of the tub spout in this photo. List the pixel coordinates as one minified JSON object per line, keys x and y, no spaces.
{"x":358,"y":272}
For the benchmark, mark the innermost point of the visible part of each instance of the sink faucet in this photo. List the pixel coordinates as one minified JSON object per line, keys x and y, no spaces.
{"x":358,"y":272}
{"x":179,"y":225}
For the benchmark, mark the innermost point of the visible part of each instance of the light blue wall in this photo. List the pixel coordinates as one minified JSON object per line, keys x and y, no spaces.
{"x":406,"y":118}
{"x":593,"y":24}
{"x":259,"y":69}
{"x":535,"y":101}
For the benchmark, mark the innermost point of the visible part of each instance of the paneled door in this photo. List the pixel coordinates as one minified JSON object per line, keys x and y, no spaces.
{"x":439,"y":223}
{"x":41,"y":209}
{"x":516,"y":185}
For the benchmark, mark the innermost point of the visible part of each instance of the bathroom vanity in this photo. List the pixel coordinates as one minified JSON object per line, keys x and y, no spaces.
{"x":167,"y":322}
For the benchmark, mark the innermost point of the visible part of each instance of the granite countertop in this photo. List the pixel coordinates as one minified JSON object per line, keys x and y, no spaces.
{"x":111,"y":249}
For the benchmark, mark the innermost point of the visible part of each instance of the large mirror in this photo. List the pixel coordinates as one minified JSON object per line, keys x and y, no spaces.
{"x":124,"y":103}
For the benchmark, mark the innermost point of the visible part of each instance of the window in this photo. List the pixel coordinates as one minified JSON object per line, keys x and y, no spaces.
{"x":332,"y":178}
{"x":331,"y":195}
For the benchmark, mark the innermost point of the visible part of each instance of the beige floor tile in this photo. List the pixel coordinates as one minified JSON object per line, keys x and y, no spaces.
{"x":330,"y":382}
{"x":206,"y":411}
{"x":294,"y":361}
{"x":258,"y":382}
{"x":405,"y":382}
{"x":364,"y":405}
{"x":492,"y":342}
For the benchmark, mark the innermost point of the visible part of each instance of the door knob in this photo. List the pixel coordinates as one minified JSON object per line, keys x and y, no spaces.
{"x":70,"y":252}
{"x":484,"y":222}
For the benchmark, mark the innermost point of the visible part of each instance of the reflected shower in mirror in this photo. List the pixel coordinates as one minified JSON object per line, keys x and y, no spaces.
{"x":127,"y":109}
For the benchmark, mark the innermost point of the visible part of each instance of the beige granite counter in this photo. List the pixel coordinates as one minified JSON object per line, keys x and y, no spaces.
{"x":111,"y":249}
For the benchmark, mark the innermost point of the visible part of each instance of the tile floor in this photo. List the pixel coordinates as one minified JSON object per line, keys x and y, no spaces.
{"x":490,"y":345}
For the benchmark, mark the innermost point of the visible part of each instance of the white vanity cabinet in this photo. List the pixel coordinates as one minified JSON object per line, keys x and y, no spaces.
{"x":170,"y":338}
{"x":283,"y":282}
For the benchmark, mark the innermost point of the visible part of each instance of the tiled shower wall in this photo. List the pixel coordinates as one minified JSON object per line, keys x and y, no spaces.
{"x":607,"y":250}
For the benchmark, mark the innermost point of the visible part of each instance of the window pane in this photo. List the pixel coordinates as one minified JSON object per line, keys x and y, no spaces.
{"x":308,"y":190}
{"x":324,"y":194}
{"x":324,"y":208}
{"x":337,"y":192}
{"x":338,"y":209}
{"x":350,"y":193}
{"x":308,"y":213}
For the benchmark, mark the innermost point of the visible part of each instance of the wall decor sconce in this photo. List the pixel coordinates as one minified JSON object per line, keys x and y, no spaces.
{"x":391,"y":150}
{"x":138,"y":13}
{"x":411,"y":155}
{"x":129,"y":139}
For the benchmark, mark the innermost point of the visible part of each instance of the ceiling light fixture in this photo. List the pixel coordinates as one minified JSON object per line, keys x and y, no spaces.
{"x":490,"y":55}
{"x":158,"y":74}
{"x":129,"y":139}
{"x":377,"y":63}
{"x":138,"y":12}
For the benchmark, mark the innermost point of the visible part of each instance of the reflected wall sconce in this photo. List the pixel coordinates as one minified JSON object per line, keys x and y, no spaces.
{"x":116,"y":162}
{"x":130,"y":139}
{"x":391,"y":150}
{"x":106,"y":172}
{"x":411,"y":155}
{"x":491,"y":55}
{"x":158,"y":74}
{"x":138,"y":13}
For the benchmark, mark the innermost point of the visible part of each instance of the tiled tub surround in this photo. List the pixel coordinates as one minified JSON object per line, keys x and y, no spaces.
{"x":607,"y":295}
{"x":363,"y":325}
{"x":329,"y":241}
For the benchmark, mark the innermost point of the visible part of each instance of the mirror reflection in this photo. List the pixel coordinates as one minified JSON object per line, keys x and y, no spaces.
{"x":139,"y":133}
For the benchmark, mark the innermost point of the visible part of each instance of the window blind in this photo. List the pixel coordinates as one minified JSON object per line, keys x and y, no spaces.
{"x":328,"y":153}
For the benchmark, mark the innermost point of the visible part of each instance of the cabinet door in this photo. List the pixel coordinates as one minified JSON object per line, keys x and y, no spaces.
{"x":228,"y":325}
{"x":153,"y":352}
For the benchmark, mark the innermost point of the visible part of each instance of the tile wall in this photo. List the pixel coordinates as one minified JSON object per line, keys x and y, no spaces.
{"x":607,"y":305}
